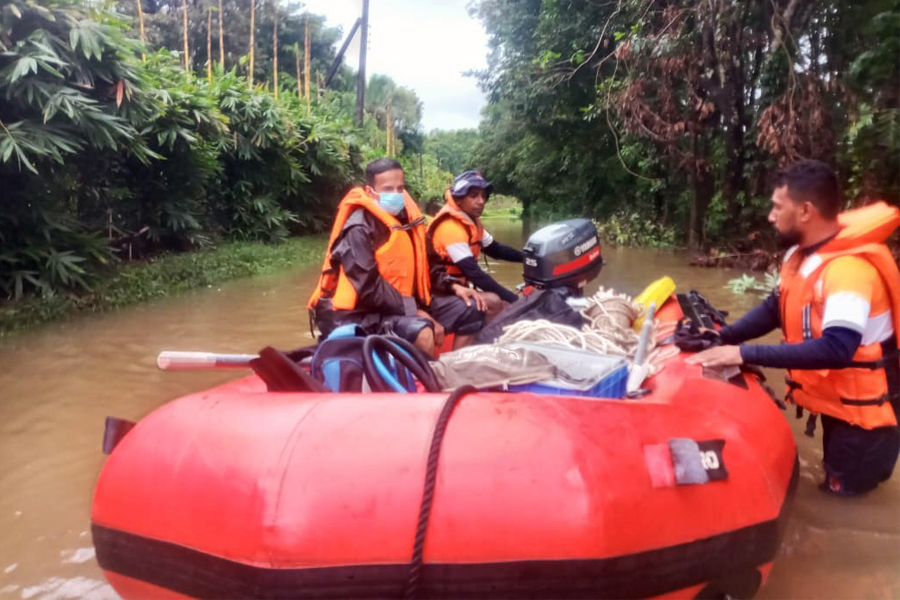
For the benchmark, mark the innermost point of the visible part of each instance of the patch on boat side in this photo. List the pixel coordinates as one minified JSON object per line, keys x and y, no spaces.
{"x":683,"y":461}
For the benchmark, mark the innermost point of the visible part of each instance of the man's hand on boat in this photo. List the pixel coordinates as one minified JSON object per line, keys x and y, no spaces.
{"x":469,"y":295}
{"x":719,"y":356}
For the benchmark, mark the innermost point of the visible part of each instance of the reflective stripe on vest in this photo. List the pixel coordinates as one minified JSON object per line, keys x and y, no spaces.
{"x":401,"y":259}
{"x":807,"y":322}
{"x":862,"y":393}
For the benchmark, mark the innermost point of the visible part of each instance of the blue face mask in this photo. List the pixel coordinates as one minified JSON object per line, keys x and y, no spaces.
{"x":392,"y":202}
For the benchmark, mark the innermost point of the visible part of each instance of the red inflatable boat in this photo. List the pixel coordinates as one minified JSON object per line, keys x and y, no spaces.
{"x":238,"y":492}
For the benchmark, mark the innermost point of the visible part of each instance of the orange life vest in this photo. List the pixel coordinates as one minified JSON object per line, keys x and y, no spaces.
{"x":473,"y":227}
{"x":401,"y":259}
{"x":859,"y":394}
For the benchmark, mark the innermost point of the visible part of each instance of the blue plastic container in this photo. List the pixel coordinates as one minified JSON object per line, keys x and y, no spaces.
{"x":606,"y":376}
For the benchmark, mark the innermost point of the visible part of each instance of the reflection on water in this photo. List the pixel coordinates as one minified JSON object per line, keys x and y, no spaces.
{"x":59,"y":382}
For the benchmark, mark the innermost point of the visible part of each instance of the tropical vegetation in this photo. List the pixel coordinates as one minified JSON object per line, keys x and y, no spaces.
{"x":130,"y":129}
{"x":117,"y":147}
{"x":667,"y":119}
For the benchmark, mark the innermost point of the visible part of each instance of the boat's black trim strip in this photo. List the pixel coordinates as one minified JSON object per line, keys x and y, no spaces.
{"x":728,"y":559}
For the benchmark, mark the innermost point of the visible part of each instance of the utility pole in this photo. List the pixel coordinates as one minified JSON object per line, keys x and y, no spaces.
{"x":361,"y":80}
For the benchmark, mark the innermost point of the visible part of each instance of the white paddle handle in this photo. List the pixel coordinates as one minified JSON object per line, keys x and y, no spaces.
{"x":171,"y":360}
{"x":638,"y":371}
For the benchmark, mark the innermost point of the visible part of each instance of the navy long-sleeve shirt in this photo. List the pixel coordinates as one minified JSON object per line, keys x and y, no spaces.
{"x":834,"y":350}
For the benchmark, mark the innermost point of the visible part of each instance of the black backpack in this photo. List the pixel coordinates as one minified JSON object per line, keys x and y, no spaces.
{"x":547,"y":304}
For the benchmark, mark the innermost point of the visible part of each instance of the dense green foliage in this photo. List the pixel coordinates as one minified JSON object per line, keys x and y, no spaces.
{"x":453,"y":149}
{"x":110,"y":151}
{"x":673,"y":115}
{"x":661,"y":120}
{"x":105,"y":156}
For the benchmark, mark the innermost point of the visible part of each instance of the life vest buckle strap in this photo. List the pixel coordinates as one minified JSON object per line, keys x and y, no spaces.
{"x":409,"y":226}
{"x":810,"y":430}
{"x":889,"y":357}
{"x":792,"y":385}
{"x":873,"y":402}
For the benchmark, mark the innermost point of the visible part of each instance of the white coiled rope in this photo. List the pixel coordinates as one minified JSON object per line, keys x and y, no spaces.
{"x":608,"y":328}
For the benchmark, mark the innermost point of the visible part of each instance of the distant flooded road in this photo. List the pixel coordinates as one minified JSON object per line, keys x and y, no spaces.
{"x":59,"y":382}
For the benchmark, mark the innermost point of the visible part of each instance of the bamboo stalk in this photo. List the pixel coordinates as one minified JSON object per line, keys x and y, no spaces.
{"x":252,"y":39}
{"x":275,"y":50}
{"x":140,"y":10}
{"x":221,"y":39}
{"x":187,"y":54}
{"x":306,"y":60}
{"x":299,"y":81}
{"x":388,"y":130}
{"x":209,"y":44}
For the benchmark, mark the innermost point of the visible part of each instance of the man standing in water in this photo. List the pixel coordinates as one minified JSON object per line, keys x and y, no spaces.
{"x":375,"y":272}
{"x":455,"y":240}
{"x":838,"y":304}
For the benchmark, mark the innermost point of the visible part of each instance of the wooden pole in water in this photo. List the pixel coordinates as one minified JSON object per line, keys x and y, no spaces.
{"x":252,"y":39}
{"x":221,"y":39}
{"x":140,"y":10}
{"x":275,"y":49}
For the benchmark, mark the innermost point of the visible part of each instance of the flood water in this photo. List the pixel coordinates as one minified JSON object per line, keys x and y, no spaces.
{"x":58,"y":383}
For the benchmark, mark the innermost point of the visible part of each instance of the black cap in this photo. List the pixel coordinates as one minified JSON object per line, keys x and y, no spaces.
{"x":467,"y":180}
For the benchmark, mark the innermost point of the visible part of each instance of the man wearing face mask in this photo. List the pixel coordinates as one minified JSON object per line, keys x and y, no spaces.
{"x":838,"y":304}
{"x":455,"y":240}
{"x":375,"y":272}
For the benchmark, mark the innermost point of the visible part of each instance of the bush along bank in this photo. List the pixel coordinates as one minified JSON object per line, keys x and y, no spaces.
{"x":163,"y":276}
{"x":105,"y":156}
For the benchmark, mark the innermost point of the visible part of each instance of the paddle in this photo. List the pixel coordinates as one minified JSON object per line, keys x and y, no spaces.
{"x":172,"y":360}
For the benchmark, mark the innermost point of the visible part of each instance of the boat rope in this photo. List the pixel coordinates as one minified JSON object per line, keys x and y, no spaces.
{"x":607,"y":329}
{"x":434,"y":454}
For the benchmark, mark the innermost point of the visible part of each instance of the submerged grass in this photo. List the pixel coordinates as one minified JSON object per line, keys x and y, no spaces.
{"x":164,"y":276}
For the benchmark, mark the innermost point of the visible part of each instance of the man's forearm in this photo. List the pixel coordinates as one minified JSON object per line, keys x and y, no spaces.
{"x":834,"y":350}
{"x":482,"y":280}
{"x":503,"y":252}
{"x":756,"y":323}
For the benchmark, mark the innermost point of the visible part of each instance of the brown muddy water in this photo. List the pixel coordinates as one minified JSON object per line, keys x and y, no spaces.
{"x":59,"y":382}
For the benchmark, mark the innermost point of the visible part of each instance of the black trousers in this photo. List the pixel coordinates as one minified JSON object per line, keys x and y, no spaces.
{"x":859,"y":458}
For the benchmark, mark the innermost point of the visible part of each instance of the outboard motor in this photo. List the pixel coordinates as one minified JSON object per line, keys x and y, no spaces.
{"x":563,"y":255}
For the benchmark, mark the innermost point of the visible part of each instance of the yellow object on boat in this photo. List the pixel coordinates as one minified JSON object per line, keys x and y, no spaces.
{"x":659,"y":291}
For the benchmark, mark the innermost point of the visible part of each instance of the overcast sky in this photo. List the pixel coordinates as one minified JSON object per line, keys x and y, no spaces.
{"x":425,"y":45}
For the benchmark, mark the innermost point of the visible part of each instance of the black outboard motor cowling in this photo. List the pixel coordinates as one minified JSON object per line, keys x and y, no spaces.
{"x":563,"y":255}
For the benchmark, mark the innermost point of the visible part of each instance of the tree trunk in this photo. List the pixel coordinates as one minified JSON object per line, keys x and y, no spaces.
{"x":221,"y":39}
{"x":140,"y":10}
{"x":252,"y":39}
{"x":735,"y":85}
{"x":209,"y":45}
{"x":187,"y":53}
{"x":275,"y":51}
{"x":704,"y":185}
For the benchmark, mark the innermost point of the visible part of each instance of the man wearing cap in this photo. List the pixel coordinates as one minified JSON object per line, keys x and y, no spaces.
{"x":454,"y":241}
